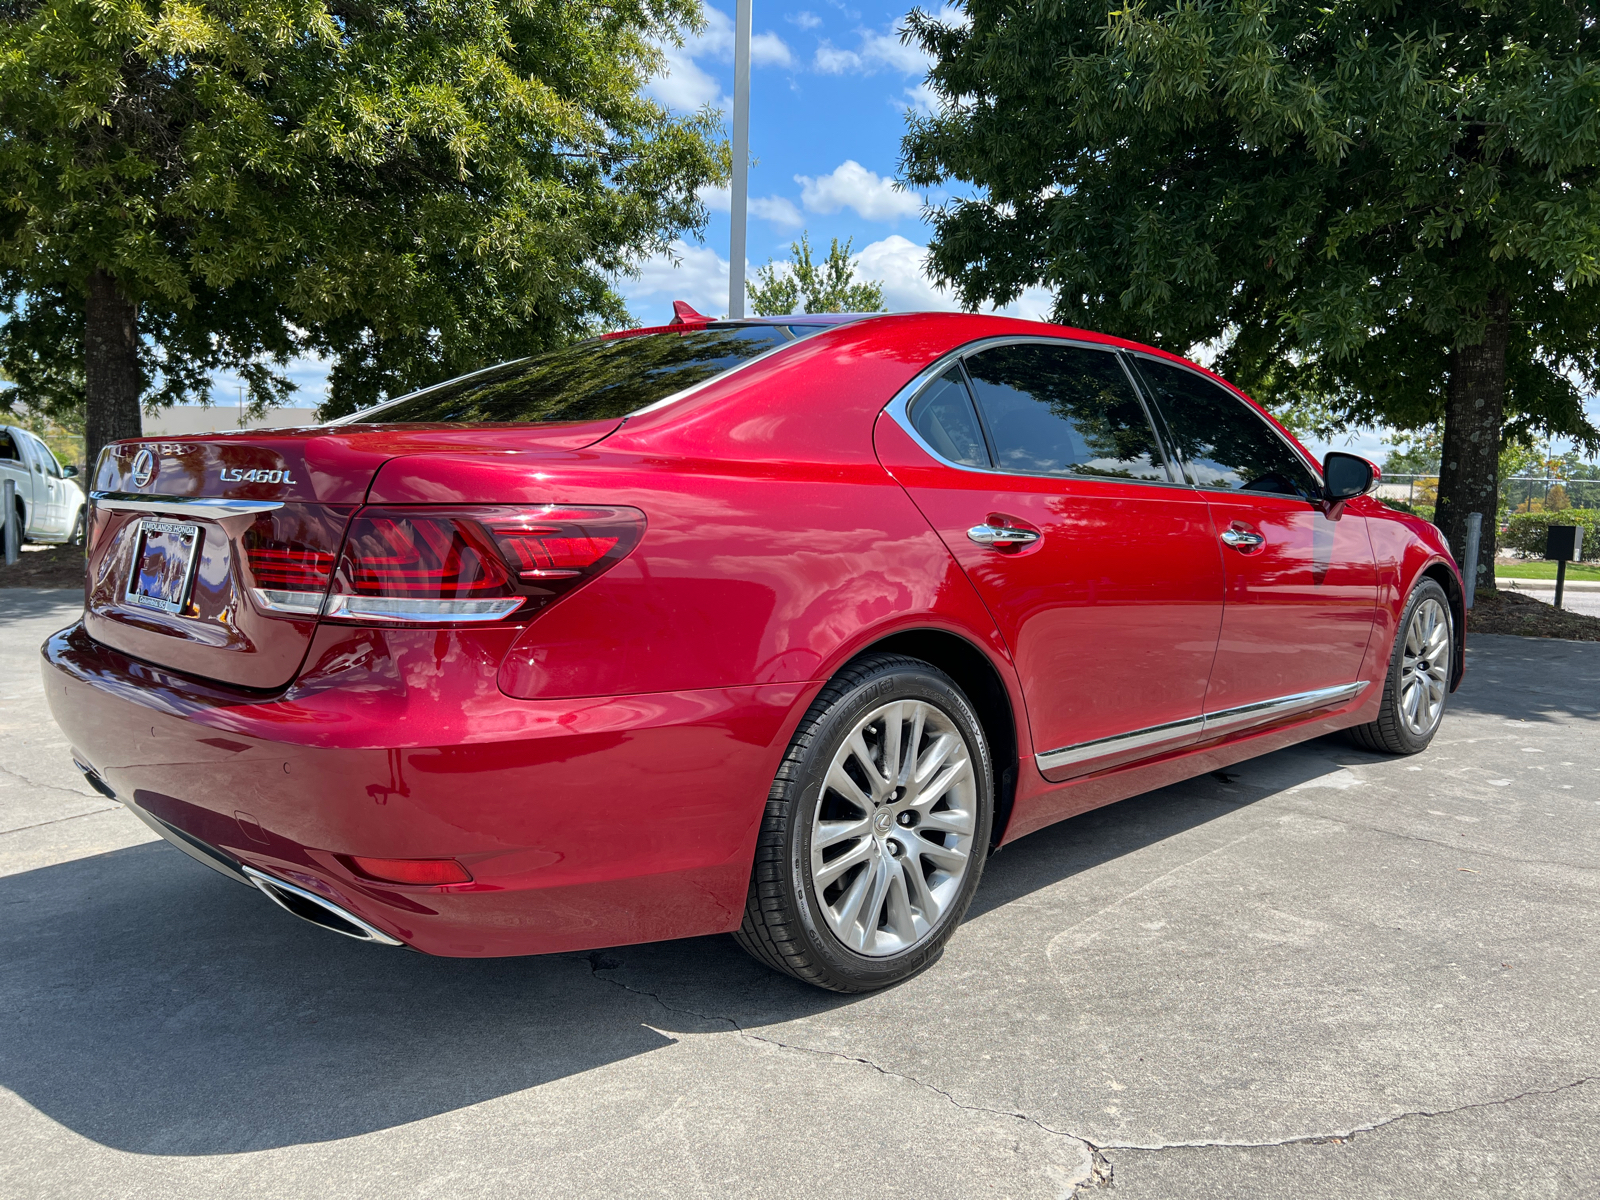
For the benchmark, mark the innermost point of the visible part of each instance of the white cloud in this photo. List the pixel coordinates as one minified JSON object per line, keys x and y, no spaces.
{"x":851,"y":185}
{"x":685,"y":85}
{"x":697,"y":274}
{"x":901,"y":265}
{"x":769,"y":50}
{"x":804,"y":19}
{"x":780,"y":210}
{"x":921,"y":98}
{"x":881,"y":50}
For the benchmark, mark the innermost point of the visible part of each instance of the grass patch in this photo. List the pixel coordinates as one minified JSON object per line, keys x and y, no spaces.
{"x":1538,"y":569}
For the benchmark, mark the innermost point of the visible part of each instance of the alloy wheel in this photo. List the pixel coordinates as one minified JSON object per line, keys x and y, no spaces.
{"x":892,"y":836}
{"x":1424,"y":667}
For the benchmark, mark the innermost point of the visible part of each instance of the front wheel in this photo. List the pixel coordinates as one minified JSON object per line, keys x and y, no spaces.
{"x":1418,"y":681}
{"x":875,"y":831}
{"x":75,"y":538}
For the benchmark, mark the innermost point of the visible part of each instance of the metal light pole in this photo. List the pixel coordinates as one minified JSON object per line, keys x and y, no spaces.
{"x":741,"y":156}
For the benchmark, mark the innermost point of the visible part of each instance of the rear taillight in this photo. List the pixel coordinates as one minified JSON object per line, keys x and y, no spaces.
{"x":291,"y":557}
{"x":417,"y":871}
{"x":473,"y":564}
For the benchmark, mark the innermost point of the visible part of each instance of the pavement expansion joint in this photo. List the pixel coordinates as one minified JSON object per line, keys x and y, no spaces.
{"x":602,"y":962}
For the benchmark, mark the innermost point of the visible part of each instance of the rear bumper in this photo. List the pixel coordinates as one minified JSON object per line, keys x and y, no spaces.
{"x":585,"y":823}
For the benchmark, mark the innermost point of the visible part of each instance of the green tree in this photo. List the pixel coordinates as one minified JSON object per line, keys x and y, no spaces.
{"x":408,"y":189}
{"x":1391,"y":207}
{"x":800,"y":285}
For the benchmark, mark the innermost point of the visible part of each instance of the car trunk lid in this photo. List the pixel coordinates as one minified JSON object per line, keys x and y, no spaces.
{"x":191,"y":537}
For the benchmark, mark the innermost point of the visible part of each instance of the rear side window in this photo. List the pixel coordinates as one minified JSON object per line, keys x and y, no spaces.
{"x":8,"y":448}
{"x":1064,"y":410}
{"x":1222,"y":440}
{"x":591,"y":381}
{"x":944,"y":417}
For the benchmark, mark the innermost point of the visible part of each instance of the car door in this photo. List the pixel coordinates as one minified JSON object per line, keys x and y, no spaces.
{"x":1036,"y":462}
{"x":15,"y":466}
{"x":48,"y":489}
{"x":1302,"y":587}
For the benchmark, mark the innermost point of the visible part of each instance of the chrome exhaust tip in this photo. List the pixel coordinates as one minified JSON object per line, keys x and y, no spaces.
{"x":309,"y":906}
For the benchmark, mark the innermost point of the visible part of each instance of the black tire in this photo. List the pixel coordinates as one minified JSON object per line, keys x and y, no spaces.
{"x":1392,"y":733}
{"x":76,"y":537}
{"x":784,"y":925}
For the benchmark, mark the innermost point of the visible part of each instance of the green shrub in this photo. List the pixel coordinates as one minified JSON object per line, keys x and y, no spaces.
{"x":1526,"y":532}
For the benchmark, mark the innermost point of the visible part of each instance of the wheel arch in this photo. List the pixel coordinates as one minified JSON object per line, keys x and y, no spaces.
{"x":1439,"y":571}
{"x":978,"y":677}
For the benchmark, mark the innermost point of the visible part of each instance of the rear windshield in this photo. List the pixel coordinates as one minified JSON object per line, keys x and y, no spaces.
{"x":591,"y":381}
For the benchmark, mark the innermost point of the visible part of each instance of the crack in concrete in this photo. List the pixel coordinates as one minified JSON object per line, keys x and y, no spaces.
{"x":1350,"y":1134}
{"x":59,"y":820}
{"x":1472,"y":850}
{"x":1101,"y":1169}
{"x":598,"y":962}
{"x":54,"y":787}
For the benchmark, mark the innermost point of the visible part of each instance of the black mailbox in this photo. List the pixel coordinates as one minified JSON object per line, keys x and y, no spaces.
{"x":1564,"y":542}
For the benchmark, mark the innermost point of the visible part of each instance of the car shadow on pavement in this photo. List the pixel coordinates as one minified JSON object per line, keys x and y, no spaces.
{"x":157,"y":1008}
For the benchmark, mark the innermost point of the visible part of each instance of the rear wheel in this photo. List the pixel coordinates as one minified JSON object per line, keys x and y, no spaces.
{"x":875,"y":832}
{"x":1418,"y":682}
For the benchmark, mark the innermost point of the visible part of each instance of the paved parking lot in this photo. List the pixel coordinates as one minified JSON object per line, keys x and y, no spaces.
{"x":1320,"y":974}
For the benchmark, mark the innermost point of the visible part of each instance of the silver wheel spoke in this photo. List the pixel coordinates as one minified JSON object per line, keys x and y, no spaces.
{"x":1424,"y":671}
{"x":901,"y":824}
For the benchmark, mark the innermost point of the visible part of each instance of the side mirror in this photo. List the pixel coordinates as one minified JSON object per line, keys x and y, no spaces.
{"x":1346,"y":476}
{"x":69,"y":471}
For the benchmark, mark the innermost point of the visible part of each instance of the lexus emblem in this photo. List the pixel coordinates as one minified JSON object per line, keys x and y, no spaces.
{"x":144,"y":468}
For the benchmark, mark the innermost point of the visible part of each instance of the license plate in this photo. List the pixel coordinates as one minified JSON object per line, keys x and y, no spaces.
{"x":163,"y":565}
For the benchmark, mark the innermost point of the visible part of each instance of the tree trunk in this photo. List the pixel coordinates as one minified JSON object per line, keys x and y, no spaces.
{"x":111,"y":376}
{"x":1469,"y":471}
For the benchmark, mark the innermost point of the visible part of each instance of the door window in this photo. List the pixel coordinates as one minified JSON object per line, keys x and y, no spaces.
{"x":1222,"y":440}
{"x":945,"y":418}
{"x":8,"y":447}
{"x":1064,"y":410}
{"x":45,"y":457}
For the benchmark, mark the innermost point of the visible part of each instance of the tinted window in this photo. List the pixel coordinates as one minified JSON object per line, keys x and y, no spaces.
{"x":1223,"y":440}
{"x":8,"y":449}
{"x":944,"y":417}
{"x":1063,"y":410}
{"x":593,"y":380}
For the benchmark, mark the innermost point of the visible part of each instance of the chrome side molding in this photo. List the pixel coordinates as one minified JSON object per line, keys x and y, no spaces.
{"x":1195,"y":728}
{"x":198,"y":505}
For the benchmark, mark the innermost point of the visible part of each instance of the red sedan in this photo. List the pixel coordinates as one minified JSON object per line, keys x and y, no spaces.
{"x":773,"y":627}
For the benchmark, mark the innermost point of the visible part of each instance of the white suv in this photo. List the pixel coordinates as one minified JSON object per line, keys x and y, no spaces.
{"x":50,"y":504}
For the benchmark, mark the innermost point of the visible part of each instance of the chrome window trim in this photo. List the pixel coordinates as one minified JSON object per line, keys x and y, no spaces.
{"x":899,"y":408}
{"x":188,"y":505}
{"x":1239,"y":717}
{"x":1249,"y":406}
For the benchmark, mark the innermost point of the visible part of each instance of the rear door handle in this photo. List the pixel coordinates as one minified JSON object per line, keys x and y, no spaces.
{"x":1241,"y":539}
{"x":1002,"y":536}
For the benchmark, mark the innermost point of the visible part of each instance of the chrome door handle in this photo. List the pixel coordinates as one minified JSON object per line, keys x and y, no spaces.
{"x":1001,"y":535}
{"x":1241,"y":540}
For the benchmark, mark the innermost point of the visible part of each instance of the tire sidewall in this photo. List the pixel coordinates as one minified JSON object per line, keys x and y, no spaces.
{"x":1424,"y":589}
{"x":899,"y":682}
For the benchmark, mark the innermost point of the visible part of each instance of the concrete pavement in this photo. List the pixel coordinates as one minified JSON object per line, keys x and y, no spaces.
{"x":1323,"y":973}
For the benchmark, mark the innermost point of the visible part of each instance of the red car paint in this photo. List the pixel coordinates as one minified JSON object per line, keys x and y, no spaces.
{"x":600,"y":768}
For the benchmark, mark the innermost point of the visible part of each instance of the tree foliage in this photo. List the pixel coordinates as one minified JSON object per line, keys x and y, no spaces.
{"x":801,"y":285}
{"x":1390,"y":211}
{"x":408,"y":189}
